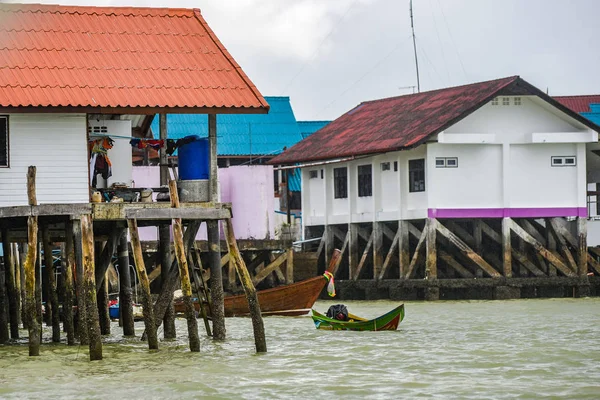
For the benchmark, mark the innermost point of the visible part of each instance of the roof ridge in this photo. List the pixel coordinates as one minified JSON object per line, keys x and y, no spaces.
{"x":576,"y":96}
{"x":90,"y":10}
{"x":508,"y":78}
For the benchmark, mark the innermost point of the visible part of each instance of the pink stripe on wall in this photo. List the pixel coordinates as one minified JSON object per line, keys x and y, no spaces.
{"x":507,"y":212}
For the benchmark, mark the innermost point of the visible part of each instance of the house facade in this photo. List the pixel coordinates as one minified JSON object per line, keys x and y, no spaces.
{"x":481,"y":180}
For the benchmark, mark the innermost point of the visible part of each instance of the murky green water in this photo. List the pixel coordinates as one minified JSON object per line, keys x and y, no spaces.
{"x":466,"y":350}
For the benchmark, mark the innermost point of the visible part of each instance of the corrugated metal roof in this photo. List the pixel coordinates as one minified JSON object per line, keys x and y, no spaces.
{"x":295,"y":179}
{"x":406,"y":121}
{"x":579,"y":104}
{"x":242,"y":134}
{"x":307,"y":128}
{"x":117,"y":57}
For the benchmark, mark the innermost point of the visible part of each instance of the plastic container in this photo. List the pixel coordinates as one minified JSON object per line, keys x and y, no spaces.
{"x":194,"y":159}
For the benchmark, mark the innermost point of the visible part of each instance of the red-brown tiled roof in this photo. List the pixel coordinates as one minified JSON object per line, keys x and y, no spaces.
{"x":404,"y":122}
{"x":117,"y":58}
{"x":578,"y":104}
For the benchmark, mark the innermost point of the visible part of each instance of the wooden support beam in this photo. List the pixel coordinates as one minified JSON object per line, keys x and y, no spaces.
{"x":338,"y":260}
{"x":506,"y":247}
{"x":353,"y":250}
{"x":387,"y":232}
{"x":11,"y":286}
{"x":89,"y":284}
{"x":403,"y":248}
{"x":337,"y":232}
{"x":201,"y":288}
{"x":269,"y":268}
{"x":452,"y":262}
{"x":390,"y":254}
{"x":33,"y":324}
{"x":363,"y":259}
{"x":582,"y":252}
{"x":105,"y":257}
{"x":364,"y":233}
{"x":329,"y":243}
{"x":461,"y":232}
{"x":466,"y":250}
{"x":548,"y":255}
{"x":552,"y":225}
{"x":249,"y":289}
{"x":431,"y":251}
{"x":533,"y":231}
{"x":165,"y":259}
{"x":52,"y":301}
{"x":377,"y":248}
{"x":181,"y":213}
{"x":289,"y":266}
{"x":186,"y":285}
{"x":415,"y":256}
{"x":69,"y":256}
{"x":594,"y":263}
{"x":521,"y":257}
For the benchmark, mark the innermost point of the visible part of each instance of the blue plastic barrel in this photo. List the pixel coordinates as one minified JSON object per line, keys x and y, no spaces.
{"x":194,"y":159}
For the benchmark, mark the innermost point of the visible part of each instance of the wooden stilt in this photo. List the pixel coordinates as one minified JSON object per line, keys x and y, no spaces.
{"x":363,"y":258}
{"x":416,"y":254}
{"x":216,"y":280}
{"x":431,"y":251}
{"x":506,"y":247}
{"x":391,"y":252}
{"x":4,"y":332}
{"x":11,"y":290}
{"x":125,"y":290}
{"x":253,"y":305}
{"x":552,"y":225}
{"x":186,"y":286}
{"x":82,"y":330}
{"x":38,"y":287}
{"x":353,"y":250}
{"x":51,"y":291}
{"x":201,"y":289}
{"x":104,"y":255}
{"x":16,"y":262}
{"x":89,"y":285}
{"x":329,"y":242}
{"x":103,"y":313}
{"x":403,"y":248}
{"x":451,"y":261}
{"x":69,"y":256}
{"x":164,"y":250}
{"x":582,"y":251}
{"x":140,"y":267}
{"x":377,"y":249}
{"x":22,"y":256}
{"x":478,"y":243}
{"x":30,"y":271}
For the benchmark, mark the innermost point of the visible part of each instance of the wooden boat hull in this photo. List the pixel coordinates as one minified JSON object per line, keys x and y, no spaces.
{"x":289,"y":300}
{"x":386,"y":322}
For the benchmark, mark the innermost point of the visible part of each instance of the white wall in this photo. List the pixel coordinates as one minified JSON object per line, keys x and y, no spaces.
{"x":56,"y":145}
{"x":475,"y":183}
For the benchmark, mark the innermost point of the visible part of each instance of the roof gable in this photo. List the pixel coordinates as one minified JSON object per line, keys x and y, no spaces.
{"x":406,"y":121}
{"x":117,"y":59}
{"x":243,"y":134}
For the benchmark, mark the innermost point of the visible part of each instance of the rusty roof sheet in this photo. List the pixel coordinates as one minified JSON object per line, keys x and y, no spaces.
{"x":404,"y":122}
{"x":118,"y":58}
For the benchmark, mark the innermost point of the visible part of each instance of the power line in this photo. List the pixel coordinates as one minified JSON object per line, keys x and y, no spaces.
{"x":452,"y":40}
{"x":437,"y":32}
{"x":430,"y":63}
{"x":333,"y":28}
{"x":363,"y":76}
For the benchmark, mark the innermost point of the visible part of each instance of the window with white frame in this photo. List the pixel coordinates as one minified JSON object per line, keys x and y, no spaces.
{"x":314,"y":174}
{"x":517,"y":101}
{"x":506,"y":101}
{"x":365,"y":181}
{"x":446,"y":162}
{"x":385,"y":166}
{"x":3,"y":140}
{"x":495,"y":101}
{"x":563,"y":161}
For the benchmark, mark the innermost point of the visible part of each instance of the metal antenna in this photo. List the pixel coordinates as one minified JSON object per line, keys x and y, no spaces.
{"x":412,"y":27}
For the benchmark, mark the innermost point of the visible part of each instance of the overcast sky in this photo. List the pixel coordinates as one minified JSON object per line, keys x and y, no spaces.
{"x":329,"y":55}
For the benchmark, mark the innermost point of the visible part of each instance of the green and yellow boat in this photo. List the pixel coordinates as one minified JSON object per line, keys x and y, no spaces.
{"x":386,"y":322}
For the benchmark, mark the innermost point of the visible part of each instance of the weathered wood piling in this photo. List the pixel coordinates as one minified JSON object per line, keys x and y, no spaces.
{"x":89,"y":288}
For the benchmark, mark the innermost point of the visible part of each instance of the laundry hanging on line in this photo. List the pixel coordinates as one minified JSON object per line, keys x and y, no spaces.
{"x":143,"y":143}
{"x":99,"y":161}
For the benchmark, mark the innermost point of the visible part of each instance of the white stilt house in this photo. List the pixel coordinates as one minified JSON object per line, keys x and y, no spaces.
{"x":447,"y":161}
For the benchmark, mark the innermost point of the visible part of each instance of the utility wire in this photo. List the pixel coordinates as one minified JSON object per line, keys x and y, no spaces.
{"x":437,"y":32}
{"x":452,"y":39}
{"x":374,"y":67}
{"x":422,"y":48}
{"x":304,"y":65}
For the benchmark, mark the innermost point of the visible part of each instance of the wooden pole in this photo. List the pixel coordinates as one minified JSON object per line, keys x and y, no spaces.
{"x":164,"y":250}
{"x":214,"y":240}
{"x":38,"y":286}
{"x":30,"y":273}
{"x":89,"y":284}
{"x":52,"y":299}
{"x":140,"y":267}
{"x":249,"y":289}
{"x":186,"y":286}
{"x":403,"y":248}
{"x":3,"y":297}
{"x":17,"y":275}
{"x":377,"y":249}
{"x":101,"y":288}
{"x":69,"y":254}
{"x":22,"y":256}
{"x":506,"y":247}
{"x":201,"y":284}
{"x":13,"y":297}
{"x":431,"y":251}
{"x":82,"y":330}
{"x":125,"y":290}
{"x":582,"y":251}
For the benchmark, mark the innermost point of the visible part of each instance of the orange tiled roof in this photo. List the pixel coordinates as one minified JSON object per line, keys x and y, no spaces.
{"x":117,"y":59}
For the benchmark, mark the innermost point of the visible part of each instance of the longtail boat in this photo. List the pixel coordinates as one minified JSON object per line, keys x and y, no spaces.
{"x":387,"y":322}
{"x":288,"y":300}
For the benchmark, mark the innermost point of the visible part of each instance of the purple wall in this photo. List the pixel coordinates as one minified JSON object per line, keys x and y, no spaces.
{"x":249,"y":189}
